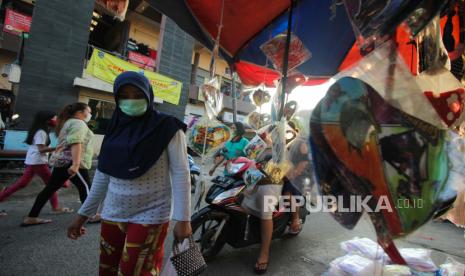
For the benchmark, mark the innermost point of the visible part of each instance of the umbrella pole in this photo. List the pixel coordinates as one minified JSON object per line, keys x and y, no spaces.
{"x":286,"y":60}
{"x":233,"y":93}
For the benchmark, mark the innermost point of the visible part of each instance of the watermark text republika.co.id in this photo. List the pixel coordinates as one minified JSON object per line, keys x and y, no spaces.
{"x":341,"y":204}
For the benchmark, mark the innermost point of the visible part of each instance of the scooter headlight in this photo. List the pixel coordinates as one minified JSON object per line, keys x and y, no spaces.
{"x":227,"y":194}
{"x":233,"y":168}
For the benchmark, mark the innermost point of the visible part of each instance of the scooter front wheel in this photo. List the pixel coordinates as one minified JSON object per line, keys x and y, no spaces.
{"x":204,"y":230}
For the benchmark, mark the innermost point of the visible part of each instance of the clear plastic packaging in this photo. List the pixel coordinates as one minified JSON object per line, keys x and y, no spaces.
{"x":213,"y":98}
{"x":364,"y":246}
{"x":452,"y":268}
{"x":419,"y":259}
{"x":355,"y":265}
{"x":396,"y":270}
{"x":274,"y":51}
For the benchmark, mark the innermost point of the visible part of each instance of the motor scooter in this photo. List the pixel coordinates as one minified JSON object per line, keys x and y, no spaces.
{"x":224,"y":221}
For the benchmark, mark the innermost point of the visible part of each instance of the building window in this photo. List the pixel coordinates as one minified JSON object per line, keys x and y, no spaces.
{"x":101,"y":115}
{"x":202,"y":75}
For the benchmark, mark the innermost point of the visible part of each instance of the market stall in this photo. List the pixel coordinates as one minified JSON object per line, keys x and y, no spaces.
{"x":396,"y":70}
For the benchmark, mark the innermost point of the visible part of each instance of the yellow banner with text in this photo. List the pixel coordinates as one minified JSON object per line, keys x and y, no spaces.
{"x":107,"y":67}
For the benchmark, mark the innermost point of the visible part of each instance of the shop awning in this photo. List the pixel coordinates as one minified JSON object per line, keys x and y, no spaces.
{"x":324,"y":29}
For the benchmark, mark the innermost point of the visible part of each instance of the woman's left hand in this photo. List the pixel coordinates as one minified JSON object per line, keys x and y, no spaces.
{"x":182,"y":230}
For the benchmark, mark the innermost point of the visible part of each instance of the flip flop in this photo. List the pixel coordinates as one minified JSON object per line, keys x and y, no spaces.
{"x":293,"y":232}
{"x":66,"y":185}
{"x":259,"y":270}
{"x":64,"y":210}
{"x":37,"y":222}
{"x":3,"y":213}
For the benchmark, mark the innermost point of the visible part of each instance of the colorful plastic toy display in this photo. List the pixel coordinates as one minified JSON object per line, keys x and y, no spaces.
{"x":274,"y":50}
{"x":217,"y":135}
{"x":255,"y":147}
{"x":361,"y":145}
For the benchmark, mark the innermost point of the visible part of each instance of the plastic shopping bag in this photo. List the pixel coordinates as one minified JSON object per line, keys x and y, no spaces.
{"x":452,"y":268}
{"x":364,"y":246}
{"x":355,"y":265}
{"x":419,"y":259}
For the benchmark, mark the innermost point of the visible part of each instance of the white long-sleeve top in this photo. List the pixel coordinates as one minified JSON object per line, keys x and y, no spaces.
{"x":146,"y":199}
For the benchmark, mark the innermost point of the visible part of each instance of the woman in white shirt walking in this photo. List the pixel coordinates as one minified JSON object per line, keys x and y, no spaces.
{"x":142,"y":166}
{"x":37,"y":157}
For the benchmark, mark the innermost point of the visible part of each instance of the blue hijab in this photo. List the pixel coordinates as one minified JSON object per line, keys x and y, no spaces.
{"x":132,"y":145}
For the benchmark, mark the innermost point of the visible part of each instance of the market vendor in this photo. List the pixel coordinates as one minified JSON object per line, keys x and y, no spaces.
{"x":234,"y":148}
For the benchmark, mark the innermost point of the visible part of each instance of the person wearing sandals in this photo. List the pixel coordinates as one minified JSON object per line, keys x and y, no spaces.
{"x":298,"y":153}
{"x":142,"y":167}
{"x":72,"y":161}
{"x":37,"y":158}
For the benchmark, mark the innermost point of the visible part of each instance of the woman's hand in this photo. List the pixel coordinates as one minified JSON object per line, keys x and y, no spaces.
{"x":73,"y":170}
{"x":76,"y":229}
{"x":182,"y":230}
{"x":59,"y":148}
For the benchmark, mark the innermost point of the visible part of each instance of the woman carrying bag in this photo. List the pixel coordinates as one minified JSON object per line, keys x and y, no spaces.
{"x":73,"y":158}
{"x":142,"y":166}
{"x":36,"y":161}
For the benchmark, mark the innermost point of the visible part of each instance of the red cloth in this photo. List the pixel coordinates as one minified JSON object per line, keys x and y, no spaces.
{"x":255,"y":75}
{"x":236,"y":33}
{"x":132,"y":249}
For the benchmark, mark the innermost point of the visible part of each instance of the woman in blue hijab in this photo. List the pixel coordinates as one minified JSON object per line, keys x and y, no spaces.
{"x":142,"y":165}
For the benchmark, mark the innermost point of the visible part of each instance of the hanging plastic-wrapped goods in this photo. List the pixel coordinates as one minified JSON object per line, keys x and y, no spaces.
{"x":431,"y":50}
{"x":274,"y":51}
{"x":217,"y":135}
{"x":384,"y":70}
{"x":261,"y":97}
{"x":440,"y":86}
{"x":364,"y":146}
{"x":255,"y":147}
{"x":289,"y":109}
{"x":257,"y":120}
{"x":374,"y":19}
{"x":213,"y":98}
{"x":294,"y":79}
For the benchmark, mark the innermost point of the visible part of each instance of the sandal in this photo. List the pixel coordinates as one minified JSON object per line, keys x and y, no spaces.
{"x":260,"y":268}
{"x":66,"y":185}
{"x":34,"y":221}
{"x":63,"y":210}
{"x":294,"y":231}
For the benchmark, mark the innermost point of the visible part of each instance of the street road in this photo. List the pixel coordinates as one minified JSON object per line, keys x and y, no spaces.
{"x":45,"y":250}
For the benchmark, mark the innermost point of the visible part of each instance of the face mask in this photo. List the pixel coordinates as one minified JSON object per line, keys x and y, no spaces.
{"x":133,"y":107}
{"x":52,"y":122}
{"x":88,"y":117}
